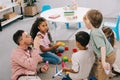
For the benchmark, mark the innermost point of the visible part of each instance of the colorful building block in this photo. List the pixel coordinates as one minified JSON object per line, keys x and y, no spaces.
{"x":74,"y":50}
{"x":63,"y":64}
{"x":69,"y":60}
{"x":60,"y":44}
{"x":59,"y":54}
{"x":66,"y":48}
{"x":65,"y":59}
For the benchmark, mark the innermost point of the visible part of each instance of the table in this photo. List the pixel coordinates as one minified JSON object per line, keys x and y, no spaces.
{"x":80,"y":12}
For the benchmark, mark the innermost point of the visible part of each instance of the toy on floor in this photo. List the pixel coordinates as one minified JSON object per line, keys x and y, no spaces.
{"x":65,"y":59}
{"x":67,"y":72}
{"x":47,"y":63}
{"x":60,"y":49}
{"x":60,"y":43}
{"x":69,"y":60}
{"x":74,"y":50}
{"x":63,"y":64}
{"x":58,"y":73}
{"x":59,"y":54}
{"x":66,"y":48}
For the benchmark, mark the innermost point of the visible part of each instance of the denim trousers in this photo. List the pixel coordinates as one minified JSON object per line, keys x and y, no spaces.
{"x":51,"y":56}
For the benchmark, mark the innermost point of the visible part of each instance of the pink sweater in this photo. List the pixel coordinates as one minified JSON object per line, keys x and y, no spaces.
{"x":23,"y":62}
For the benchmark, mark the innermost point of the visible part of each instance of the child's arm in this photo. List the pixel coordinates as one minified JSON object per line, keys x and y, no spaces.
{"x":103,"y":58}
{"x":103,"y":55}
{"x":69,"y":70}
{"x":43,"y":49}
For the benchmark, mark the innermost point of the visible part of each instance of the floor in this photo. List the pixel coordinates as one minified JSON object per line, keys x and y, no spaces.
{"x":52,"y":68}
{"x":59,"y":33}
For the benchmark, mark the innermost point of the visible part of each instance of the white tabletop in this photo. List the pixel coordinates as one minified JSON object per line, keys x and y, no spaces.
{"x":80,"y":12}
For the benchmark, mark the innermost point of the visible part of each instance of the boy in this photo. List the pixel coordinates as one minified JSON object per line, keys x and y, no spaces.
{"x":101,"y":47}
{"x":82,"y":60}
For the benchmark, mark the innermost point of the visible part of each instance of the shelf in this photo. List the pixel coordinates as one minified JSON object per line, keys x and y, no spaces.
{"x":5,"y":8}
{"x":8,"y":6}
{"x":10,"y":20}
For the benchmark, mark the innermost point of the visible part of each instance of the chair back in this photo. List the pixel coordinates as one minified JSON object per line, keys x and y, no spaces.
{"x":116,"y":28}
{"x":46,"y":7}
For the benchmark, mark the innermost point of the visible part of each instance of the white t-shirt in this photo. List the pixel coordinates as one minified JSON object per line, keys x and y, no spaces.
{"x":82,"y":62}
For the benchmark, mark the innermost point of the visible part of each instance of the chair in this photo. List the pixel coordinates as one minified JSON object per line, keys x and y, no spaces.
{"x":46,"y":7}
{"x":114,"y":27}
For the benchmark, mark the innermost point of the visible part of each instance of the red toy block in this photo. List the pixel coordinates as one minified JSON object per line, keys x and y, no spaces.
{"x":59,"y":54}
{"x":66,"y":48}
{"x":63,"y":64}
{"x":74,"y":50}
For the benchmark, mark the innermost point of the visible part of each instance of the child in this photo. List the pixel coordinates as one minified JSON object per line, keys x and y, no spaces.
{"x":111,"y":38}
{"x":101,"y":47}
{"x":109,"y":35}
{"x":82,"y":60}
{"x":40,"y":30}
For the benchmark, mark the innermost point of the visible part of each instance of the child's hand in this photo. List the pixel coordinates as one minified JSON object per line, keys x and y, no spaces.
{"x":106,"y":67}
{"x":65,"y":69}
{"x":55,"y":47}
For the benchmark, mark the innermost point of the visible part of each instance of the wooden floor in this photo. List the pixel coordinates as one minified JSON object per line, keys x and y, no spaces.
{"x":48,"y":75}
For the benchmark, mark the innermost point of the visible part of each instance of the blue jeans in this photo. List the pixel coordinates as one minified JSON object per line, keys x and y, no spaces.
{"x":66,"y":78}
{"x":51,"y":57}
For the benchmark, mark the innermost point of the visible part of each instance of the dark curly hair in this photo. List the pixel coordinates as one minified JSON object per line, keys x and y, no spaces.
{"x":34,"y":30}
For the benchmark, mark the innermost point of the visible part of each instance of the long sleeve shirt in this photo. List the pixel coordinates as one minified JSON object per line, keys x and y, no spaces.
{"x":24,"y":62}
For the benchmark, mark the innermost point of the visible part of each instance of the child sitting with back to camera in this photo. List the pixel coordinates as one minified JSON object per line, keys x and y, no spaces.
{"x":82,"y":61}
{"x":102,"y":48}
{"x":46,"y":49}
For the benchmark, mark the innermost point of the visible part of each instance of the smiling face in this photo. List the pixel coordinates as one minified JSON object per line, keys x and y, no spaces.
{"x":43,"y":27}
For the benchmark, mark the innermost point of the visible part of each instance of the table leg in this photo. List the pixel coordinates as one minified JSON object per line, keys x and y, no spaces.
{"x":54,"y":24}
{"x":67,"y":25}
{"x":79,"y":25}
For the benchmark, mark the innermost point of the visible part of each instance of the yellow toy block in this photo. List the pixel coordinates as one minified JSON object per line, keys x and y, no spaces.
{"x":67,"y":72}
{"x":60,"y":44}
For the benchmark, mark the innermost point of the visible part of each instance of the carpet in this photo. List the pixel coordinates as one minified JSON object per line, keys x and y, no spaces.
{"x":71,"y":45}
{"x":52,"y":67}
